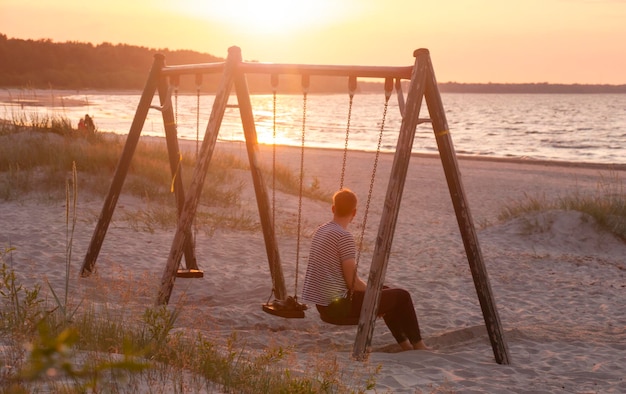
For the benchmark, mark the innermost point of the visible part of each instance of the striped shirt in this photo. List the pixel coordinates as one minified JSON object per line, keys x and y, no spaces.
{"x":330,"y":246}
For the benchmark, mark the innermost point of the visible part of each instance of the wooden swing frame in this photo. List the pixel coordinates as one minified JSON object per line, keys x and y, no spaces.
{"x":423,"y":85}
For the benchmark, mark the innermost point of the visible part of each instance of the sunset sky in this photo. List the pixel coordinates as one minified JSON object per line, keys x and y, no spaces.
{"x":500,"y":41}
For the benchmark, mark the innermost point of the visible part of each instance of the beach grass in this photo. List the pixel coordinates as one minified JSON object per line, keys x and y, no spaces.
{"x":34,"y":157}
{"x":78,"y":346}
{"x":607,"y":206}
{"x":103,"y":349}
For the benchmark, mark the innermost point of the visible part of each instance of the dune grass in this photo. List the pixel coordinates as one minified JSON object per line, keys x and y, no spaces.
{"x":103,"y":350}
{"x":73,"y":345}
{"x":39,"y":159}
{"x":607,"y":205}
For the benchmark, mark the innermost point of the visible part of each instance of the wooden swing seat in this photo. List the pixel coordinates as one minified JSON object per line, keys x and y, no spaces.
{"x":189,"y":273}
{"x":288,"y":308}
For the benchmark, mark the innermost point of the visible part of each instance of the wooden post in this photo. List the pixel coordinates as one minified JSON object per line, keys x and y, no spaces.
{"x":174,"y":154}
{"x":265,"y":213}
{"x":122,"y":167}
{"x":463,"y":215}
{"x":400,"y":96}
{"x":389,"y":215}
{"x":195,"y":189}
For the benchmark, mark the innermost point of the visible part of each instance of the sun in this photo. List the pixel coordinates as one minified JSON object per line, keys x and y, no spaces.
{"x":266,"y":16}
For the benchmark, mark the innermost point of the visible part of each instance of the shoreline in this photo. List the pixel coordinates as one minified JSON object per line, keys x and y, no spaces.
{"x":601,"y":150}
{"x":460,"y":157}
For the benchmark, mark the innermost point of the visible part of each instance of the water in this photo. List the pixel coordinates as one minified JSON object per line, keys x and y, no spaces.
{"x":583,"y":128}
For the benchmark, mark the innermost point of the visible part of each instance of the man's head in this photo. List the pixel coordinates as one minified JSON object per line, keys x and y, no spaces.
{"x":344,"y":203}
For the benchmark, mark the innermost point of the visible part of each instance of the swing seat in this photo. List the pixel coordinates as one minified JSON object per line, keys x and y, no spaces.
{"x":288,"y":308}
{"x":189,"y":273}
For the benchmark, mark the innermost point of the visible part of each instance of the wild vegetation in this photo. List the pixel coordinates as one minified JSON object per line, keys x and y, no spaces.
{"x":607,"y":206}
{"x":37,"y":154}
{"x":75,"y":345}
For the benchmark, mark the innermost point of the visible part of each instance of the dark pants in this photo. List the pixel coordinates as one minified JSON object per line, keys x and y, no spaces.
{"x":395,"y":307}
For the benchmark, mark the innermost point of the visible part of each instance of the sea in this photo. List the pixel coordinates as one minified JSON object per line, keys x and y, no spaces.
{"x":577,"y":128}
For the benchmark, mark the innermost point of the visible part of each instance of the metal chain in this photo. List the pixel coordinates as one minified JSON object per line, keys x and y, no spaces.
{"x":369,"y":194}
{"x":304,"y":99}
{"x":195,"y":221}
{"x":351,"y":89}
{"x":274,"y":83}
{"x":176,"y":106}
{"x":274,"y":162}
{"x":176,"y":82}
{"x":345,"y":147}
{"x":197,"y":122}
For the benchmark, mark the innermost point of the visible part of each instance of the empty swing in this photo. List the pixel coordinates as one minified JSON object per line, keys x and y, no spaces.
{"x":290,"y":307}
{"x":189,"y":272}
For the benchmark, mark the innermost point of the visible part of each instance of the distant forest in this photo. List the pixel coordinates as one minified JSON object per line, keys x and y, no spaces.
{"x":44,"y":64}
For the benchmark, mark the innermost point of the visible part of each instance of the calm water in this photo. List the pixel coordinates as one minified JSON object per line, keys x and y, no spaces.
{"x":569,"y":127}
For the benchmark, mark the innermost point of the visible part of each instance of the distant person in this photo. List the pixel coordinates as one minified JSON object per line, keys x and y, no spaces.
{"x":331,"y":276}
{"x":81,"y":125}
{"x":89,"y":124}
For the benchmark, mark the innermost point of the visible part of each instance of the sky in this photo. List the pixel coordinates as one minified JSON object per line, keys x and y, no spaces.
{"x":470,"y":41}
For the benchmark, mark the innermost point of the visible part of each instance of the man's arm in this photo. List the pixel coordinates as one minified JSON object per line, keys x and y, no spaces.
{"x":350,"y":275}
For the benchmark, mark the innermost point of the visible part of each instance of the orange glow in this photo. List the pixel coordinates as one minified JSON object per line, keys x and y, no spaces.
{"x":265,"y":17}
{"x":556,"y":41}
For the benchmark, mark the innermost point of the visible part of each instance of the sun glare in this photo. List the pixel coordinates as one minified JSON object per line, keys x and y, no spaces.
{"x":266,"y":16}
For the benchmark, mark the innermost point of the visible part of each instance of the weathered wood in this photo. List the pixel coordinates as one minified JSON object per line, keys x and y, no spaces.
{"x":403,"y":72}
{"x":389,"y":215}
{"x":122,"y":167}
{"x":175,"y":156}
{"x":463,"y":215}
{"x":265,"y":212}
{"x":400,"y":95}
{"x":197,"y":181}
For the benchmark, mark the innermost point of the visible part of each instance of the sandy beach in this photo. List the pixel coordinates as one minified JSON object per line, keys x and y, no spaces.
{"x":559,"y":281}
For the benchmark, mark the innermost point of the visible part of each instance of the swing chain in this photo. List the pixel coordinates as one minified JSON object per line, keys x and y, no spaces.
{"x":274,"y":82}
{"x":388,"y":90}
{"x":351,"y":90}
{"x":305,"y":86}
{"x":198,"y":86}
{"x":175,"y":82}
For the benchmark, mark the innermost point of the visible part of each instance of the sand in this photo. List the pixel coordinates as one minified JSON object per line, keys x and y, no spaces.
{"x":558,"y":280}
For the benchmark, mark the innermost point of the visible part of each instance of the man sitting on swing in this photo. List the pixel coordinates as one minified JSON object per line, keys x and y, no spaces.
{"x":333,"y":285}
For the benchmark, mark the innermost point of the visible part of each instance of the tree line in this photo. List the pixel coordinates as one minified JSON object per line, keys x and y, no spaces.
{"x":44,"y":64}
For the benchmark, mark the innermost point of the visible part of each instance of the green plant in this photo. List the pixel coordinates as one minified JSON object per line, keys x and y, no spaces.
{"x":71,"y":202}
{"x":52,"y":357}
{"x":21,"y":308}
{"x":287,"y":181}
{"x":607,"y":205}
{"x":158,"y":322}
{"x":16,"y":181}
